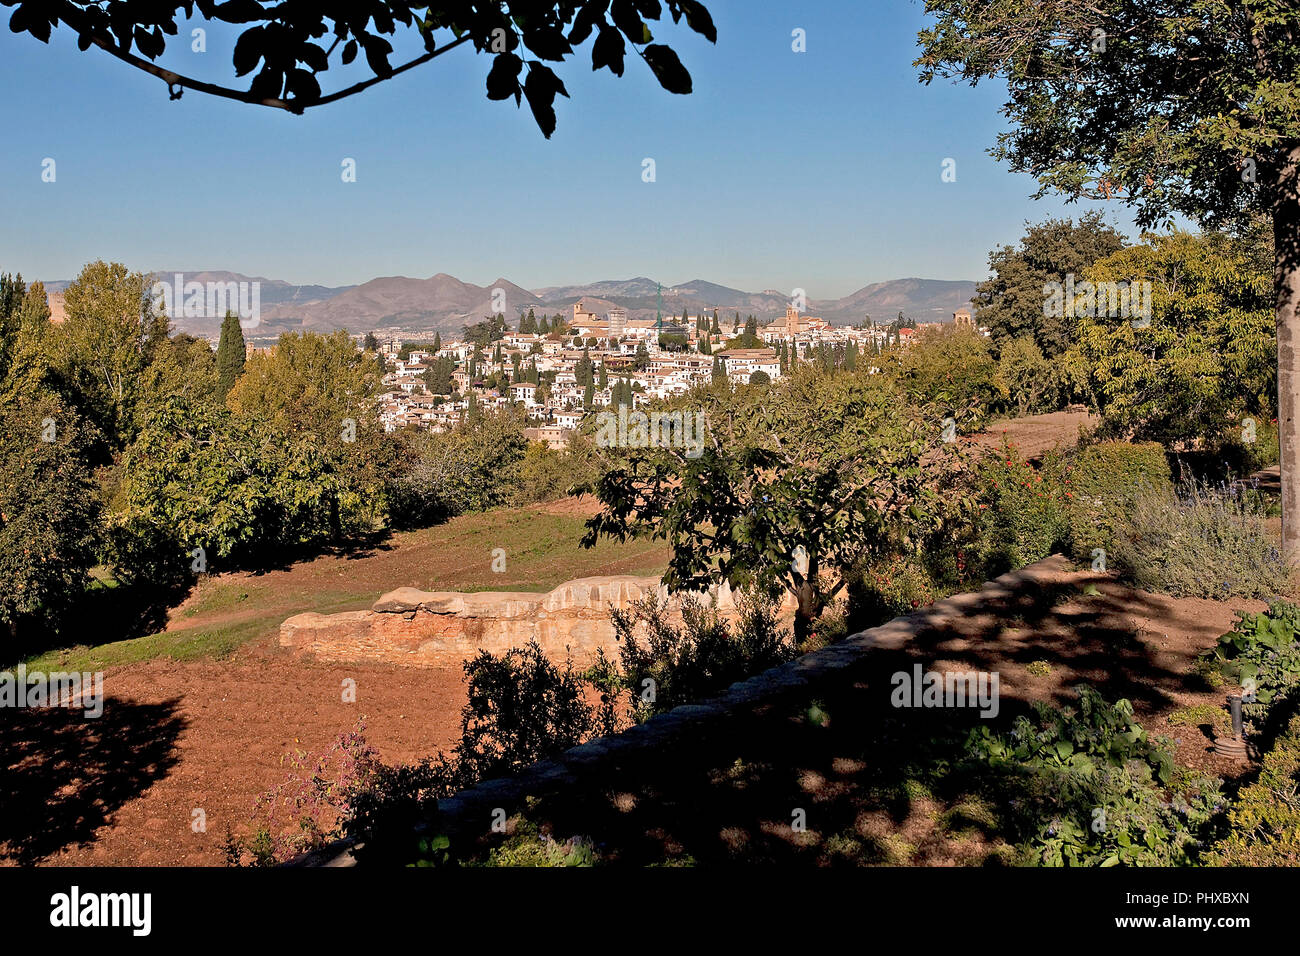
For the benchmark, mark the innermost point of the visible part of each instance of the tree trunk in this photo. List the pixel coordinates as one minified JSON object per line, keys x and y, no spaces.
{"x":1286,"y":284}
{"x":806,"y":614}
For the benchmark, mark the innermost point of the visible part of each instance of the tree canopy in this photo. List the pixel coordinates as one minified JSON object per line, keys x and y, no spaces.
{"x":1170,"y":106}
{"x":286,"y":46}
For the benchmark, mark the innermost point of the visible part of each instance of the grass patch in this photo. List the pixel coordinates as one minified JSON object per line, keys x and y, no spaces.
{"x":224,"y":612}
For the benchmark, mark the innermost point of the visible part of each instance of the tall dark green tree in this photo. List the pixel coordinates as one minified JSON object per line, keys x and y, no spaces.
{"x":231,"y":353}
{"x":583,"y":371}
{"x":1010,"y":301}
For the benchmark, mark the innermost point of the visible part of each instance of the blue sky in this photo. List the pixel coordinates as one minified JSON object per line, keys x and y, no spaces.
{"x":818,"y":170}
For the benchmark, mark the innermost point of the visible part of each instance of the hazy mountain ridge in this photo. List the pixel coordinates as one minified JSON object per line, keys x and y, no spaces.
{"x":445,"y":303}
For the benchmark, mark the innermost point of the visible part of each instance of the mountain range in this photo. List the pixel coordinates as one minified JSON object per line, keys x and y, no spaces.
{"x":444,"y":303}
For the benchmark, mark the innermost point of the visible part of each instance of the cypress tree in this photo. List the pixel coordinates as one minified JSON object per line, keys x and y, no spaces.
{"x":437,"y":341}
{"x":230,"y":354}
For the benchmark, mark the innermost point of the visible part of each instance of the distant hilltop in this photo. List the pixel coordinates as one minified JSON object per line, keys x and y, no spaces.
{"x":445,"y":303}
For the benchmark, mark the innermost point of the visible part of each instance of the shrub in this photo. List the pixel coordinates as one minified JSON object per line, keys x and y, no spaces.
{"x":528,"y":847}
{"x":307,"y":810}
{"x":1104,"y":481}
{"x":664,"y":665}
{"x":1087,"y":788}
{"x":545,"y":474}
{"x":1265,"y":819}
{"x":1262,"y":654}
{"x":890,"y":588}
{"x":1244,"y":454}
{"x":521,"y":709}
{"x":1204,"y":542}
{"x":1021,"y":512}
{"x":471,"y":469}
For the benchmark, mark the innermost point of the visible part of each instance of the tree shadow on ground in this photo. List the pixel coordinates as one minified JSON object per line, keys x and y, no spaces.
{"x":65,"y":775}
{"x":104,"y":613}
{"x":838,"y":775}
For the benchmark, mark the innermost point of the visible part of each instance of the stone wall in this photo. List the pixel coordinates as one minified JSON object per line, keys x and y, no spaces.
{"x":445,"y":628}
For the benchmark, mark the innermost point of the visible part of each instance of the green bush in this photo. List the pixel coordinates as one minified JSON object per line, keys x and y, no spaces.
{"x":1265,"y":819}
{"x":1103,"y":483}
{"x":890,"y":588}
{"x":1021,"y":512}
{"x":1088,"y":788}
{"x":1202,"y":542}
{"x":1243,"y":453}
{"x":1262,"y":654}
{"x":530,"y":848}
{"x":663,"y":665}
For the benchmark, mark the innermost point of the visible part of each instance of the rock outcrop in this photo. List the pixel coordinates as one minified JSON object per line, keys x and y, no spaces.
{"x":444,"y":628}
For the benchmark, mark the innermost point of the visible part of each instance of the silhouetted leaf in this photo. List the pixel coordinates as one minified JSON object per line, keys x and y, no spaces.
{"x":540,"y":88}
{"x":668,"y":68}
{"x":302,"y":85}
{"x":248,"y":51}
{"x":503,"y":79}
{"x":240,"y":11}
{"x":608,"y":50}
{"x":314,"y":57}
{"x":698,"y":18}
{"x":377,"y":50}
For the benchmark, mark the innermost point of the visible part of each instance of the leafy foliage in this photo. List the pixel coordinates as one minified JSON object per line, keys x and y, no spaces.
{"x":284,"y":46}
{"x":1010,"y":303}
{"x":1262,"y":651}
{"x":663,"y":665}
{"x":1085,"y":788}
{"x":1207,"y":359}
{"x":1104,"y":101}
{"x":1021,"y":513}
{"x":199,"y":477}
{"x":1265,"y":817}
{"x":49,"y":514}
{"x":833,"y":464}
{"x":1104,"y":482}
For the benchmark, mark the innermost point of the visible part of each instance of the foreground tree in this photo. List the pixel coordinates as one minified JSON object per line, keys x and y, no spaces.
{"x":1025,"y":378}
{"x":287,"y":46}
{"x":798,"y":487}
{"x":110,"y":337}
{"x":49,"y":515}
{"x":1171,"y":106}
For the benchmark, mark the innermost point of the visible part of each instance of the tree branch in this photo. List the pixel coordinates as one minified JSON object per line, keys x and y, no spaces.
{"x":177,"y":82}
